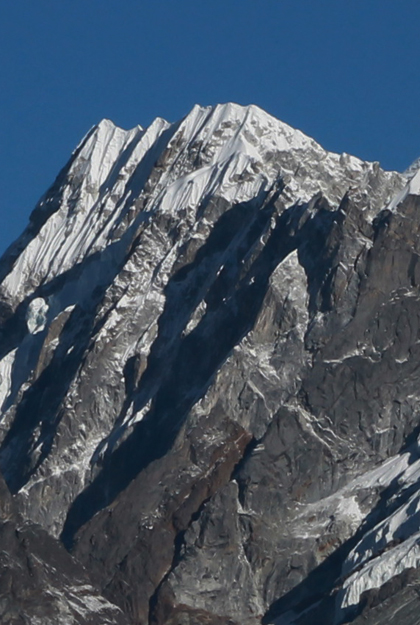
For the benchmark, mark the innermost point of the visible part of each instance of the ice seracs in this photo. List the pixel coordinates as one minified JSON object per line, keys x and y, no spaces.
{"x":36,"y":315}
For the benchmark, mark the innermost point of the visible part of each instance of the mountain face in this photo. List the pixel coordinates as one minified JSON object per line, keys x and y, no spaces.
{"x":210,"y":367}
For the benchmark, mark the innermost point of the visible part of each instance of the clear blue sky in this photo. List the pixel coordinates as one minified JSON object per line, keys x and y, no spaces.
{"x":346,"y":72}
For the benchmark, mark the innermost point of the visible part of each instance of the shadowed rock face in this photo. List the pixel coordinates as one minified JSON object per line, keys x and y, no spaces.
{"x":210,"y":382}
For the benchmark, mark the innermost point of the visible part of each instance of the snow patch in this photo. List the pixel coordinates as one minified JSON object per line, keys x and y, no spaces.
{"x":6,"y":365}
{"x":36,"y":315}
{"x":412,"y":188}
{"x":380,"y":570}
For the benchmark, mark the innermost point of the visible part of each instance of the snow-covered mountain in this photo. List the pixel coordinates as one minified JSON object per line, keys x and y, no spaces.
{"x":209,"y":365}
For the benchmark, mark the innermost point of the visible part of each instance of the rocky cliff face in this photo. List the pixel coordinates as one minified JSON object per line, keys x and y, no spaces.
{"x":210,"y":352}
{"x":40,"y":582}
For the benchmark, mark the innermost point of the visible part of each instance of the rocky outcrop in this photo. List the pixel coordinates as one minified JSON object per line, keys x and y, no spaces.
{"x":209,"y":363}
{"x":40,"y":581}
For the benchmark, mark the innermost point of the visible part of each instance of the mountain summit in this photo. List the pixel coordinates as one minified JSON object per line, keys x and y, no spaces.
{"x":209,"y":365}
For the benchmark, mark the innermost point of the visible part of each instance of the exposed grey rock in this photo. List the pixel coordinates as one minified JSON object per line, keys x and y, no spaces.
{"x":40,"y":582}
